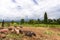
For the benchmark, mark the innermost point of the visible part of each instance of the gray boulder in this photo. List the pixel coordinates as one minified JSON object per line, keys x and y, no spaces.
{"x":29,"y":33}
{"x":4,"y":31}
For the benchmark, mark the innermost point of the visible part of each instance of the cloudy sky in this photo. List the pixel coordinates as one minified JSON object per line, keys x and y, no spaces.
{"x":17,"y":9}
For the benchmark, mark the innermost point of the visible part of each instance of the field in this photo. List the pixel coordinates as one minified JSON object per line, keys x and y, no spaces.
{"x":43,"y":32}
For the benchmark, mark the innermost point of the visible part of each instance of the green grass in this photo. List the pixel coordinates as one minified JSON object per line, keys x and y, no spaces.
{"x":48,"y":32}
{"x":14,"y":36}
{"x":42,"y":25}
{"x":33,"y":25}
{"x":58,"y":34}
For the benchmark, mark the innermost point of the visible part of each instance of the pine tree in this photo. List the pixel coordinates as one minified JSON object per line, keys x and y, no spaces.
{"x":45,"y":18}
{"x":3,"y":23}
{"x":38,"y":20}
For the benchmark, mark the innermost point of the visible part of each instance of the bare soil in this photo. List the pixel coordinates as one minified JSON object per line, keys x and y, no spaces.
{"x":43,"y":33}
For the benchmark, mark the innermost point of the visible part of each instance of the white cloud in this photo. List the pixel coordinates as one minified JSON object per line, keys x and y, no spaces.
{"x":31,"y":8}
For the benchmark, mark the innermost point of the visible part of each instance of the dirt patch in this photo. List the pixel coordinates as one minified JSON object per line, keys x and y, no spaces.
{"x":55,"y":29}
{"x":43,"y":33}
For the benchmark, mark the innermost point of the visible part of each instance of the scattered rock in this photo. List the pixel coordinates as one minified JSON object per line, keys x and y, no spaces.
{"x":4,"y":31}
{"x":2,"y":36}
{"x":10,"y":28}
{"x":18,"y":27}
{"x":33,"y":33}
{"x":17,"y":31}
{"x":29,"y":33}
{"x":12,"y":31}
{"x":20,"y":31}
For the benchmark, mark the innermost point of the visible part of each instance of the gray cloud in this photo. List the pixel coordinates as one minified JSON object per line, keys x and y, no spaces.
{"x":14,"y":1}
{"x":35,"y":1}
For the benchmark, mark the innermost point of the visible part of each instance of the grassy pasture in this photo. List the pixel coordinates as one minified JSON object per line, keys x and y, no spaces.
{"x":42,"y":25}
{"x":7,"y":24}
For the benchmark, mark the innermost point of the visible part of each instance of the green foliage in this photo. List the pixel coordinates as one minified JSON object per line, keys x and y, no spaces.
{"x":58,"y":34}
{"x":31,"y":21}
{"x":3,"y":23}
{"x":45,"y":18}
{"x":12,"y":21}
{"x":58,"y":21}
{"x":42,"y":23}
{"x":38,"y":21}
{"x":50,"y":21}
{"x":15,"y":36}
{"x":7,"y":24}
{"x":48,"y":32}
{"x":15,"y":24}
{"x":22,"y":21}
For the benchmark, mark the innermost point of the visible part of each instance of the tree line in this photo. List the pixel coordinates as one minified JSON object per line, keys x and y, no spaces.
{"x":32,"y":21}
{"x":44,"y":21}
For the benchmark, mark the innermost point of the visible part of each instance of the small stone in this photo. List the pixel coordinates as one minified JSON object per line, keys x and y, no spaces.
{"x":33,"y":33}
{"x":20,"y":31}
{"x":2,"y":36}
{"x":9,"y":28}
{"x":29,"y":33}
{"x":17,"y":31}
{"x":12,"y":31}
{"x":4,"y":31}
{"x":18,"y":27}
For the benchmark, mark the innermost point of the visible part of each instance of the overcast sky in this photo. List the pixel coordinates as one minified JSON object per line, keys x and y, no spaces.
{"x":16,"y":9}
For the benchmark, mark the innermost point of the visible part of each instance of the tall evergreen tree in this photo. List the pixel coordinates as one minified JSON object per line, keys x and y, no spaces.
{"x":3,"y":23}
{"x":38,"y":20}
{"x":45,"y":18}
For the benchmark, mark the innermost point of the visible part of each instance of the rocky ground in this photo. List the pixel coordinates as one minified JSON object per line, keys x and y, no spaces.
{"x":29,"y":33}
